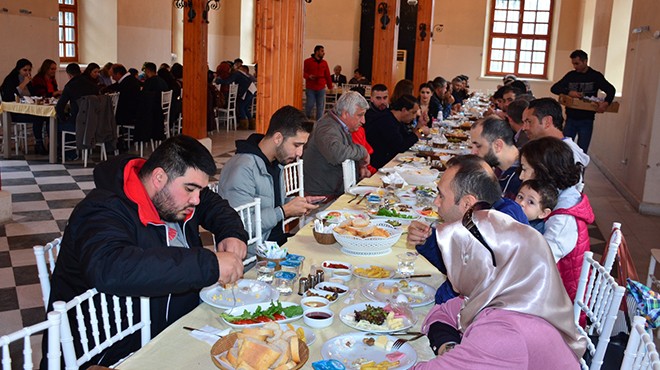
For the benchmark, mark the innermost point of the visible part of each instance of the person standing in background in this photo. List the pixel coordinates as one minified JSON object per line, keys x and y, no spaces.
{"x":582,"y":82}
{"x":317,"y":76}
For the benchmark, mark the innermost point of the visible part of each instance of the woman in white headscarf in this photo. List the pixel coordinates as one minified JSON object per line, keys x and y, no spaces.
{"x":513,"y":312}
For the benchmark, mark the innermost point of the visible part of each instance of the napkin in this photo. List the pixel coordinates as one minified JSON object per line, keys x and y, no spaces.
{"x":206,"y":334}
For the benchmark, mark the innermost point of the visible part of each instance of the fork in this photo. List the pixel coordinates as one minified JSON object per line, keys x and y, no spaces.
{"x":354,"y":198}
{"x":363,"y":197}
{"x":399,"y":342}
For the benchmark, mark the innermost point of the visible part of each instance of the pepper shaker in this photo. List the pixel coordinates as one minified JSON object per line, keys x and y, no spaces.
{"x":303,"y":285}
{"x":319,"y":276}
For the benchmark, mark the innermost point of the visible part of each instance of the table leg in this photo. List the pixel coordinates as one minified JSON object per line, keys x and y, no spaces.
{"x":6,"y":122}
{"x":52,"y":147}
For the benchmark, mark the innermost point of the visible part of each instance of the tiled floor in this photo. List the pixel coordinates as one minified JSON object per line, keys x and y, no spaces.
{"x":44,"y":195}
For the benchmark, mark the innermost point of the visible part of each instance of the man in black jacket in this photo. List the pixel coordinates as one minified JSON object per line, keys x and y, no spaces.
{"x":128,"y":88}
{"x":137,"y":234}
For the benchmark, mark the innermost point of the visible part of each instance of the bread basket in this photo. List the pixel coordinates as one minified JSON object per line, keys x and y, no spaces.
{"x":227,"y":342}
{"x":323,"y":238}
{"x":369,"y":246}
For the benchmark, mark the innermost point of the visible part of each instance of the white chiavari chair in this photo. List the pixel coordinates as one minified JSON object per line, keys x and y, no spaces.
{"x":228,"y":114}
{"x":294,"y":185}
{"x":640,"y":353}
{"x":348,"y":169}
{"x":52,"y":324}
{"x":46,"y":256}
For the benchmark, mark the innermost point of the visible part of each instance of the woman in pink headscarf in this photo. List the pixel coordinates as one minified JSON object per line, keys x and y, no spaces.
{"x":513,"y":312}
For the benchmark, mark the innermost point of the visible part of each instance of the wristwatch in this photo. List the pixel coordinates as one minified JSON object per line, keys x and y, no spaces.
{"x":446,"y":347}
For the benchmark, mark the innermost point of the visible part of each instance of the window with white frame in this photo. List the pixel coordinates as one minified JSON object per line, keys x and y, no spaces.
{"x":68,"y":30}
{"x":519,"y":38}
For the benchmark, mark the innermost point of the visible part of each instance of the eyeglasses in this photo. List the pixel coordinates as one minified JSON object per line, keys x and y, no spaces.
{"x":469,"y":224}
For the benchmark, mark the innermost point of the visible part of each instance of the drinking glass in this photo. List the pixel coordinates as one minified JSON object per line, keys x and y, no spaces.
{"x":406,"y":266}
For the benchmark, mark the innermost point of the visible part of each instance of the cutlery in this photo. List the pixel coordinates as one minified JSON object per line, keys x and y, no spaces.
{"x":399,"y":342}
{"x":249,"y":260}
{"x":354,"y":198}
{"x":363,"y":197}
{"x":203,"y":331}
{"x":414,"y":276}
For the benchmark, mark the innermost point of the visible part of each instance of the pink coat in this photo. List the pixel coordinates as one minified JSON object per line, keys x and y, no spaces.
{"x":571,"y":264}
{"x":500,"y":339}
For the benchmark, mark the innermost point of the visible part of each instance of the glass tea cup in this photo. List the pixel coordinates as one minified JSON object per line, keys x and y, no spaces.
{"x":406,"y":265}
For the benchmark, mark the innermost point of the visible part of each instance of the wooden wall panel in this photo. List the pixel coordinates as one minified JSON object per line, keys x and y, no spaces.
{"x":195,"y":61}
{"x":385,"y":45}
{"x":423,"y":47}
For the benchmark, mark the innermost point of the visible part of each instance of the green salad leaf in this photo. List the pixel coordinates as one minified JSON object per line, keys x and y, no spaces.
{"x":392,"y":213}
{"x":270,"y":312}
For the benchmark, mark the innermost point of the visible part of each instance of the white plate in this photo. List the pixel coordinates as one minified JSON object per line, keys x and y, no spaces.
{"x":320,"y":293}
{"x":370,"y":292}
{"x":336,"y":349}
{"x":236,"y":311}
{"x":430,"y":217}
{"x":335,"y":285}
{"x":404,"y":222}
{"x":346,"y":315}
{"x":366,"y":266}
{"x":362,"y":190}
{"x":247,"y":292}
{"x":309,"y":334}
{"x":342,"y":214}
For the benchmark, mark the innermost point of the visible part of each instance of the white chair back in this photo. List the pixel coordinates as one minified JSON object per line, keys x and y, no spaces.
{"x":294,"y":185}
{"x":227,"y":114}
{"x":615,"y":242}
{"x":251,"y":216}
{"x":166,"y":104}
{"x":115,"y":101}
{"x":52,"y":324}
{"x":348,"y":168}
{"x":599,"y":297}
{"x":640,"y":352}
{"x":46,"y":256}
{"x":107,"y":332}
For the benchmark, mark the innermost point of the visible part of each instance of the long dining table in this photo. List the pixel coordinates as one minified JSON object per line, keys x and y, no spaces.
{"x":174,"y":348}
{"x":40,"y":110}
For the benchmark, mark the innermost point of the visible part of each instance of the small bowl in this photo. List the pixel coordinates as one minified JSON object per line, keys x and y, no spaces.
{"x":343,"y":274}
{"x":396,"y":185}
{"x":318,"y":318}
{"x":314,"y":303}
{"x":330,"y":270}
{"x":324,"y":238}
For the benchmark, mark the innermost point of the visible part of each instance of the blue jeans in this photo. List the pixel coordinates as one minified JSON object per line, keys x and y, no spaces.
{"x":582,"y":128}
{"x":315,"y":97}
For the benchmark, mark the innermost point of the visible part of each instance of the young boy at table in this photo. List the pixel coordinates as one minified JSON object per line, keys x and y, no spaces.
{"x":537,"y":201}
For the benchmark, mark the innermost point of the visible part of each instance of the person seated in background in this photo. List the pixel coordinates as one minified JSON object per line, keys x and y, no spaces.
{"x":77,"y":87}
{"x":238,"y":63}
{"x":330,"y":144}
{"x":16,"y":85}
{"x":153,"y":81}
{"x":514,"y":115}
{"x":105,"y":75}
{"x":492,"y":140}
{"x":513,"y":312}
{"x":387,"y":133}
{"x":44,"y":83}
{"x":128,"y":88}
{"x":508,"y":94}
{"x":429,"y":106}
{"x":176,"y":103}
{"x":537,"y":201}
{"x":243,"y":97}
{"x":550,"y":161}
{"x":402,"y":87}
{"x":177,"y":72}
{"x":460,"y":92}
{"x":137,"y":234}
{"x":338,"y":78}
{"x":92,"y":72}
{"x":379,"y":101}
{"x":255,"y":171}
{"x":467,"y":181}
{"x":442,"y":93}
{"x":358,"y":78}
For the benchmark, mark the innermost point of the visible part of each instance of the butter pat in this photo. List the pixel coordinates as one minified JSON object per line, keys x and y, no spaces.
{"x":381,"y":342}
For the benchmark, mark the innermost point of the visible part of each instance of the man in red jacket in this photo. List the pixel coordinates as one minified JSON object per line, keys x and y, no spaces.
{"x":317,"y":75}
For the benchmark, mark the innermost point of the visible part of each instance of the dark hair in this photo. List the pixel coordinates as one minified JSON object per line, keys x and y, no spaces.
{"x":520,"y":86}
{"x":472,"y":178}
{"x":357,"y":70}
{"x":548,"y":107}
{"x":548,"y":193}
{"x":378,"y":87}
{"x":403,"y":87}
{"x":119,"y":69}
{"x":494,"y":128}
{"x":178,"y":154}
{"x":406,"y":101}
{"x":579,"y":54}
{"x":90,"y":67}
{"x":169,"y":79}
{"x":552,"y":161}
{"x":177,"y":70}
{"x":316,"y":48}
{"x":164,"y":65}
{"x":12,"y":79}
{"x":428,"y":85}
{"x":288,"y":121}
{"x":516,"y":108}
{"x":149,"y":66}
{"x":510,"y":88}
{"x":133,"y":71}
{"x":73,"y":69}
{"x":239,"y":60}
{"x":45,"y":66}
{"x":438,"y":82}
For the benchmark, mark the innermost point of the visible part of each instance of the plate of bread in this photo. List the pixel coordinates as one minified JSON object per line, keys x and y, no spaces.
{"x":269,"y":347}
{"x":242,"y":292}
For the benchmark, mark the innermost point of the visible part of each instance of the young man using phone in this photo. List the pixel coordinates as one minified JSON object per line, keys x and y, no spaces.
{"x":256,"y":172}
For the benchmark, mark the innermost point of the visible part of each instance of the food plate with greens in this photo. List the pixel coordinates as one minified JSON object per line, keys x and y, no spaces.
{"x":375,"y":317}
{"x":260,"y":313}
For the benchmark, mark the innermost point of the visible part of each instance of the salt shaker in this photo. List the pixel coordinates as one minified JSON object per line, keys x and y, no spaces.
{"x":319,"y":276}
{"x":303,"y":285}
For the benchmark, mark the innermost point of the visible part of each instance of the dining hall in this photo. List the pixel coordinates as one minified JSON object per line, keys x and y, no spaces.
{"x":398,"y":183}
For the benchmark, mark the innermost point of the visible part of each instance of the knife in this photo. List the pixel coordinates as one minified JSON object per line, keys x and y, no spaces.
{"x":414,"y":276}
{"x":363,"y":197}
{"x":203,"y":331}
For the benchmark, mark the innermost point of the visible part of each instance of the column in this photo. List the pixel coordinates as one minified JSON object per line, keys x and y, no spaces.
{"x":423,"y":46}
{"x":385,"y":42}
{"x":195,"y":67}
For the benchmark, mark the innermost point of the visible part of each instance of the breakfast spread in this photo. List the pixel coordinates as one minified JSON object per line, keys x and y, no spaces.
{"x":361,"y":228}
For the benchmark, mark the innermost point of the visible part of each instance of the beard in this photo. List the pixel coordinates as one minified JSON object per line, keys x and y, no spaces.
{"x":491,"y":159}
{"x":281,"y":155}
{"x":166,"y":208}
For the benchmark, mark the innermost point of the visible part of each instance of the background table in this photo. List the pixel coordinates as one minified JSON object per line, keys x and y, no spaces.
{"x":35,"y":110}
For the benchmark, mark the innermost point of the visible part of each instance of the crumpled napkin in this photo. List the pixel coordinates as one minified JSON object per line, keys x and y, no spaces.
{"x":206,"y":334}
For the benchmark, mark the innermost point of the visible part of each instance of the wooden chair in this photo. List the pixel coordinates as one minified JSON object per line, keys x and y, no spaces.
{"x":104,"y":333}
{"x":348,"y":169}
{"x":294,"y":185}
{"x":599,"y":297}
{"x":640,"y":352}
{"x":52,"y":324}
{"x":46,"y":256}
{"x":227,"y":114}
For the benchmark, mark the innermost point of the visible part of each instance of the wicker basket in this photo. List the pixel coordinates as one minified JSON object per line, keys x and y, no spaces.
{"x":227,"y":342}
{"x":372,"y":244}
{"x":322,"y":238}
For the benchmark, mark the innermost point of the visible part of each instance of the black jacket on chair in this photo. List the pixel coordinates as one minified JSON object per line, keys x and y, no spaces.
{"x":76,"y":88}
{"x":127,"y":107}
